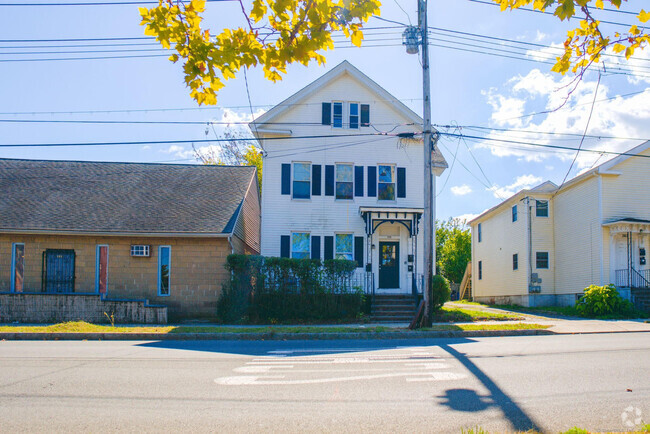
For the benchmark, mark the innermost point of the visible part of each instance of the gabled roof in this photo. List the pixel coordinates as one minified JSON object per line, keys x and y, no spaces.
{"x":342,"y":68}
{"x":549,"y":187}
{"x":121,"y":198}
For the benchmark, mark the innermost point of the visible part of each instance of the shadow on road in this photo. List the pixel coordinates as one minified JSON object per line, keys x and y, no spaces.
{"x":463,"y":400}
{"x":518,"y":418}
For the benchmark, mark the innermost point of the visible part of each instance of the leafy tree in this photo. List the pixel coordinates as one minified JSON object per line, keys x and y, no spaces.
{"x":453,"y":249}
{"x":233,"y":151}
{"x":586,"y":44}
{"x":278,"y":33}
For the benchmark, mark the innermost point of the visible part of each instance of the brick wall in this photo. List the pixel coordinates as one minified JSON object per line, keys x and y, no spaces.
{"x":46,"y":308}
{"x":197,"y":269}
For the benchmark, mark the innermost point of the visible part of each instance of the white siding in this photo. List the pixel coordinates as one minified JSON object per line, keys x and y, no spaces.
{"x":578,"y":237}
{"x":626,"y":195}
{"x":501,"y":238}
{"x":324,"y":215}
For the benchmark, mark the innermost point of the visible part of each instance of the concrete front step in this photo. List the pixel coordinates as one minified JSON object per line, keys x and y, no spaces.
{"x":391,"y":319}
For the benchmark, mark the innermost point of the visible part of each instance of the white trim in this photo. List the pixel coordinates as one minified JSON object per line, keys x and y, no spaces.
{"x":291,"y":243}
{"x":169,"y":271}
{"x":342,"y":68}
{"x":293,"y":179}
{"x":601,"y":233}
{"x":345,"y":233}
{"x":12,"y":288}
{"x":97,"y":258}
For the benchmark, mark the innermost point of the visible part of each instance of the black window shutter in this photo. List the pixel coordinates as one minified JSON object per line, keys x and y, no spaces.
{"x":372,"y":181}
{"x":315,"y":179}
{"x":327,"y":113}
{"x":285,"y":246}
{"x":401,"y":182}
{"x":329,"y":248}
{"x":365,"y":115}
{"x":358,"y":251}
{"x":315,"y":247}
{"x":286,"y":179}
{"x":358,"y":181}
{"x":329,"y":180}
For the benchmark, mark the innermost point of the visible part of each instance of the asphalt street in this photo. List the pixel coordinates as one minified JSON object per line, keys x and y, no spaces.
{"x":600,"y":382}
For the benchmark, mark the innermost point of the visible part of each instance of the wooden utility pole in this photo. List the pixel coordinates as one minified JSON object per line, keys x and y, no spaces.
{"x":429,"y":182}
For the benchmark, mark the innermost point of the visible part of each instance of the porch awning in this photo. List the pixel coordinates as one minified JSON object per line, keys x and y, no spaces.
{"x":628,"y":225}
{"x":376,"y":216}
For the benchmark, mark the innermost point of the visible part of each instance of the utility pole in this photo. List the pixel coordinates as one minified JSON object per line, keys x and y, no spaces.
{"x":429,"y":233}
{"x":414,"y":38}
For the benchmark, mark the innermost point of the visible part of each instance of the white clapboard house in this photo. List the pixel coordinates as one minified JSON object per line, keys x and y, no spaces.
{"x":545,"y":245}
{"x":348,"y":192}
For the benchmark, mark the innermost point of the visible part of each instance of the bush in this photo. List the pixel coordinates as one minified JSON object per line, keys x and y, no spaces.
{"x":440,"y":292}
{"x":603,"y":300}
{"x":284,"y":289}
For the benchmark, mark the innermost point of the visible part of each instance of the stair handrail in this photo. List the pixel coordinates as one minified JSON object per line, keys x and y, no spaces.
{"x":466,"y":278}
{"x":640,"y":276}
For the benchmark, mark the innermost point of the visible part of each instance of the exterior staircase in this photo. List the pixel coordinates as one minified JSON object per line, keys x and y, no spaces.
{"x":393,"y":309}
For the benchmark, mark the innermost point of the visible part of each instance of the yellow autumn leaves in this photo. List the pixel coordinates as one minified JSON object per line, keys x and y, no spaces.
{"x":586,"y":43}
{"x":278,"y":33}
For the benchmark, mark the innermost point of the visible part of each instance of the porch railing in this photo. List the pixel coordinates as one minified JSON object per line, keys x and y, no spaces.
{"x":632,"y":278}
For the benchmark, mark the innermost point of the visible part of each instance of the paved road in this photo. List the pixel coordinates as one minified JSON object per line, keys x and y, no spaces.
{"x":549,"y":383}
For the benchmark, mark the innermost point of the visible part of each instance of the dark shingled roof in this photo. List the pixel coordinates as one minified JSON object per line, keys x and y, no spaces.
{"x":120,"y":197}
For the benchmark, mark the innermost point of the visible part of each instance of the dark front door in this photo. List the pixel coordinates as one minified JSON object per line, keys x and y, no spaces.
{"x":58,"y":271}
{"x":389,"y":264}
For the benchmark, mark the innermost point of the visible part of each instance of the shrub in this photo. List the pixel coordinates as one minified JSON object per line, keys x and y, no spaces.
{"x":440,"y":292}
{"x":269,"y":289}
{"x":603,"y":300}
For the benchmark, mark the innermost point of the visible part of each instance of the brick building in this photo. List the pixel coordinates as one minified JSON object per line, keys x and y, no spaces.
{"x":127,"y":231}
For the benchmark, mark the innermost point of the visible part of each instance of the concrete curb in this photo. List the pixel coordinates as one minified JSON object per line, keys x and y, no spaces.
{"x":267,"y":336}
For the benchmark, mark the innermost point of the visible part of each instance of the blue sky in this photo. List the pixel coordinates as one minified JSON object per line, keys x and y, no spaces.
{"x":468,"y":89}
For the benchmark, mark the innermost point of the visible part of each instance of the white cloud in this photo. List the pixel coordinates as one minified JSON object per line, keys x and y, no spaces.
{"x":461,"y":190}
{"x":520,"y":183}
{"x":540,"y":36}
{"x":179,"y":151}
{"x":537,"y":91}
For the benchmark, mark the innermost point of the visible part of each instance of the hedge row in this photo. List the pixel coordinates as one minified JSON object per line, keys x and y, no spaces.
{"x":269,"y":289}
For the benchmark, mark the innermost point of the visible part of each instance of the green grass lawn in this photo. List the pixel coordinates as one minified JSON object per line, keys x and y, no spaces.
{"x":84,"y":327}
{"x":568,"y":311}
{"x":454,"y":314}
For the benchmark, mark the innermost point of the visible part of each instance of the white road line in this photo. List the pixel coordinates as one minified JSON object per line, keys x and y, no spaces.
{"x":278,"y":379}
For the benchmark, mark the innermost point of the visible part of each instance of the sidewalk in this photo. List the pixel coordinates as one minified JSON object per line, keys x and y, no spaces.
{"x":567,"y":325}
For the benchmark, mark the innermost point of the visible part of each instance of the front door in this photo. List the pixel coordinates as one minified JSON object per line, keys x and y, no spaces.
{"x":58,"y":271}
{"x":389,"y":264}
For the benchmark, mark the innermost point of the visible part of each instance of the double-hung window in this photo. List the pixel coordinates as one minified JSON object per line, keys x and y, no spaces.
{"x":541,"y":208}
{"x":337,"y":114}
{"x":301,"y":180}
{"x":354,"y":115}
{"x":514,"y":213}
{"x":344,"y":246}
{"x":515,"y":261}
{"x":480,"y":270}
{"x":300,"y":247}
{"x":541,"y":260}
{"x":344,"y":181}
{"x":164,"y":269}
{"x":386,"y":183}
{"x":480,"y":232}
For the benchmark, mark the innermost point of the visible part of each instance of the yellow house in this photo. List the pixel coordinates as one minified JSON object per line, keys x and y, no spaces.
{"x":544,"y":245}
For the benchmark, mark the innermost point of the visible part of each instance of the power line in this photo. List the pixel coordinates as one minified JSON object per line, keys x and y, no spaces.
{"x":540,"y":145}
{"x":591,"y":112}
{"x":168,"y":142}
{"x":554,"y":133}
{"x":614,"y":23}
{"x":208,"y":122}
